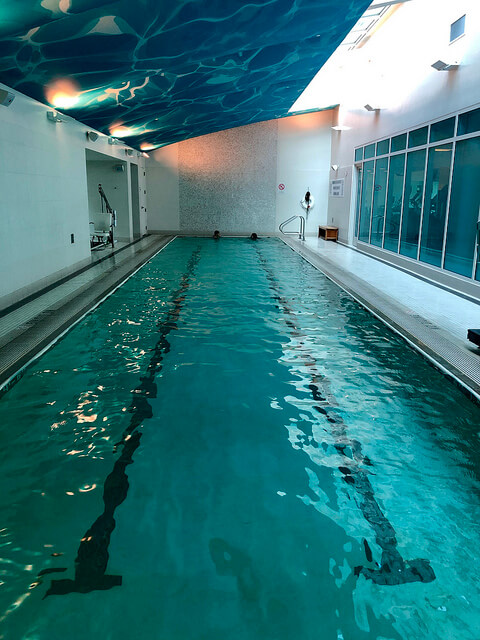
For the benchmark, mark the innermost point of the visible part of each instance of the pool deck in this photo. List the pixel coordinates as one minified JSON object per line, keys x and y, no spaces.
{"x":28,"y":328}
{"x":432,"y":319}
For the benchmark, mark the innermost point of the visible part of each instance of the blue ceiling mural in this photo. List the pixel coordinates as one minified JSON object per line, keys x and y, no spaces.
{"x":153,"y":72}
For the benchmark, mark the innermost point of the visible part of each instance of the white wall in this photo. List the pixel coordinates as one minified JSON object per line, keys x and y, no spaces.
{"x":43,"y":189}
{"x":163,"y":210}
{"x":393,"y":71}
{"x":303,"y":162}
{"x":229,"y":180}
{"x":142,"y":196}
{"x":43,"y":195}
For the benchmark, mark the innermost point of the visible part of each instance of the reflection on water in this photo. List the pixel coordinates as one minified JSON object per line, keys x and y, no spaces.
{"x":263,"y":472}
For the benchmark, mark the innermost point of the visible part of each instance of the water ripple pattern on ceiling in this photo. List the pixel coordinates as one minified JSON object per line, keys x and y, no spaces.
{"x":154,"y":72}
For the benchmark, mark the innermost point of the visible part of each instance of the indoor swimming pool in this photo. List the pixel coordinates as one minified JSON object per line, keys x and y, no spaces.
{"x":231,"y":448}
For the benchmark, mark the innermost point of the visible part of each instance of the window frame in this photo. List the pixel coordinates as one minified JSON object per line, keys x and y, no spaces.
{"x":358,"y":164}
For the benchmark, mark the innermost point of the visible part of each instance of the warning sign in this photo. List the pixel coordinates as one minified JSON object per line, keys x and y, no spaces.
{"x":337,"y":188}
{"x":281,"y":186}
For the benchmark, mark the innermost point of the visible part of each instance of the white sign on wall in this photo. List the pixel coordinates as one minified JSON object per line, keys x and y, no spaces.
{"x":337,"y":187}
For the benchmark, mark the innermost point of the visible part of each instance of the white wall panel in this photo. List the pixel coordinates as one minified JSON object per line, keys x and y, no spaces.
{"x":43,"y":195}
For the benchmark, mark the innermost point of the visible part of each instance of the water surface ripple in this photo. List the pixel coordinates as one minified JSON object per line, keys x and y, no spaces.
{"x":291,"y":445}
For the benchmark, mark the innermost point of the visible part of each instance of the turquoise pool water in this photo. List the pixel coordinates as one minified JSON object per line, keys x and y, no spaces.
{"x":230,"y":448}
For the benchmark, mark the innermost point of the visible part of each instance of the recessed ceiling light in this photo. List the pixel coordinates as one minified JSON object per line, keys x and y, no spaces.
{"x":63,"y":93}
{"x":63,"y":101}
{"x":121,"y":132}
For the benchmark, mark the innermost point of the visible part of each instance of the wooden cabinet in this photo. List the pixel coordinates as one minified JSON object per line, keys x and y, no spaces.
{"x":328,"y":233}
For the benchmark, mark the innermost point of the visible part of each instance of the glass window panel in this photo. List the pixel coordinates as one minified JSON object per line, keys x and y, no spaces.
{"x":468,"y":122}
{"x":457,"y":28}
{"x":442,"y":130}
{"x":412,"y":203}
{"x":435,"y":207}
{"x":358,"y":154}
{"x":383,"y":147}
{"x":366,"y":206}
{"x":394,"y":202}
{"x":418,"y":137}
{"x":379,"y":198}
{"x":369,"y":151}
{"x":359,"y":193}
{"x":464,"y":205}
{"x":399,"y":142}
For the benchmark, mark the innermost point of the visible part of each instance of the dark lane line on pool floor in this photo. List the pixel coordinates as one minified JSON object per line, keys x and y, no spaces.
{"x":92,"y":559}
{"x":393,"y":569}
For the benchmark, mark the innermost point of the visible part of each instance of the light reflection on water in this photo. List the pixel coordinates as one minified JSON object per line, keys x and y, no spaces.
{"x":237,"y":514}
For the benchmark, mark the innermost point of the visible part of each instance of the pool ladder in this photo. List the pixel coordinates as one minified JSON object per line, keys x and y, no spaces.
{"x":301,"y":232}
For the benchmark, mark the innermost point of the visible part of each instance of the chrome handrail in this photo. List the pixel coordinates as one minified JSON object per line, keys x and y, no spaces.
{"x":301,"y":232}
{"x":113,"y":215}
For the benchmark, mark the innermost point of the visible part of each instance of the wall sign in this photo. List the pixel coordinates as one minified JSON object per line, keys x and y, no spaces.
{"x":337,"y":188}
{"x":281,"y":186}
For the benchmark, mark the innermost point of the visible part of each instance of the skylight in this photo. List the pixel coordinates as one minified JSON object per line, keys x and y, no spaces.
{"x":325,"y":88}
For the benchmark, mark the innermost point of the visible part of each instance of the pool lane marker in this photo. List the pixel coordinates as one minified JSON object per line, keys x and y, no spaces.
{"x":393,"y":570}
{"x":92,"y":558}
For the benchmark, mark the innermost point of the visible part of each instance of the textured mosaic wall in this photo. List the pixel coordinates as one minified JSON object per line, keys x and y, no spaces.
{"x":227,"y":180}
{"x":153,"y":72}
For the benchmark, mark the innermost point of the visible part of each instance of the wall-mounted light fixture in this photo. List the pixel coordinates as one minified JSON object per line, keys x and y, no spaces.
{"x":369,"y":107}
{"x":440,"y":65}
{"x":53,"y":116}
{"x":129,"y":152}
{"x":6,"y":98}
{"x":341,"y":127}
{"x":113,"y":141}
{"x":92,"y":136}
{"x":335,"y":167}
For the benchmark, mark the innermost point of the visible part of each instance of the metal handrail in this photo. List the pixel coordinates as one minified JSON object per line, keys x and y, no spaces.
{"x":103,"y":199}
{"x":113,"y":215}
{"x":301,"y":232}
